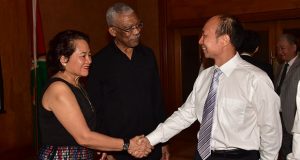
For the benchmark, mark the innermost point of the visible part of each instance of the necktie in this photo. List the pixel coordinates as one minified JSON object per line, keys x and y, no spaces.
{"x":282,"y":78}
{"x":207,"y":118}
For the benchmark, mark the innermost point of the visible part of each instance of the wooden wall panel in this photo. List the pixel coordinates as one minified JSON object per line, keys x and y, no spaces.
{"x":194,"y":9}
{"x":86,"y":16}
{"x":148,"y":12}
{"x":16,"y":123}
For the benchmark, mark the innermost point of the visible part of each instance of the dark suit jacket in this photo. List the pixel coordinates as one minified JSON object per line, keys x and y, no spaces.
{"x":288,"y":94}
{"x":263,"y":66}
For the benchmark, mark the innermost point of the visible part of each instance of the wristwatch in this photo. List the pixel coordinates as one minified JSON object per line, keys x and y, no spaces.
{"x":126,"y":144}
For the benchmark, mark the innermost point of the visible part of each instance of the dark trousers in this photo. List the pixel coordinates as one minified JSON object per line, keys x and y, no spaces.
{"x":239,"y":155}
{"x":287,"y":142}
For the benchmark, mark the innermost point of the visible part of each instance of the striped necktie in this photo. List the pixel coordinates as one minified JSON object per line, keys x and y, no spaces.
{"x":207,"y":118}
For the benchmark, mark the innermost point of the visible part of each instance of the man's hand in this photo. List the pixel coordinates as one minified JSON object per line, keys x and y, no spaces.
{"x":101,"y":155}
{"x":139,"y":147}
{"x":165,"y":152}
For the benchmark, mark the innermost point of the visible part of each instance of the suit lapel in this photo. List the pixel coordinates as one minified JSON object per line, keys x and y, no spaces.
{"x":294,"y":65}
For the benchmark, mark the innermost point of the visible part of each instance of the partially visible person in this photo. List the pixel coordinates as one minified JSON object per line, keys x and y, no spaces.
{"x":234,"y":101}
{"x":249,"y":47}
{"x":286,"y":86}
{"x":66,"y":116}
{"x":124,"y":83}
{"x":295,"y":155}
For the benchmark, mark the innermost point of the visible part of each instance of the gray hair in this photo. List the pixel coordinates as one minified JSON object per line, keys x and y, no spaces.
{"x":291,"y":39}
{"x":117,"y":8}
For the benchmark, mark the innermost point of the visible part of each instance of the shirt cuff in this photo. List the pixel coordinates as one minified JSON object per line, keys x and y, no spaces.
{"x":155,"y":136}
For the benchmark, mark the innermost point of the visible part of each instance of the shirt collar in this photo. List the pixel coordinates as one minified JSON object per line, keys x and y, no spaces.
{"x":246,"y":54}
{"x":292,"y":61}
{"x":230,"y":65}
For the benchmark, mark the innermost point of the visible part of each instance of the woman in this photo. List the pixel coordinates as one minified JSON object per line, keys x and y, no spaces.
{"x":66,"y":115}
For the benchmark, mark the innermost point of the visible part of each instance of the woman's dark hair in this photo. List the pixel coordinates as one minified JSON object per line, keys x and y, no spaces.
{"x":62,"y":45}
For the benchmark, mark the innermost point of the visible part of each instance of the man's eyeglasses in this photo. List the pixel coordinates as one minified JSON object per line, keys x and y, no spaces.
{"x":130,"y":29}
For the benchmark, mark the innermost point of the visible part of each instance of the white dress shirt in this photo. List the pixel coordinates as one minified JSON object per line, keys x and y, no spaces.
{"x":246,"y":114}
{"x":291,"y":62}
{"x":295,"y":155}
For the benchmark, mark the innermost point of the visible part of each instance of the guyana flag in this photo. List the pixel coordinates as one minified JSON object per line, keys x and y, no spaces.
{"x":38,"y":69}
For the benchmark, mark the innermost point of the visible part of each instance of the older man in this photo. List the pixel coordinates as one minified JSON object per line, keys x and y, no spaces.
{"x":124,"y":82}
{"x":286,"y":87}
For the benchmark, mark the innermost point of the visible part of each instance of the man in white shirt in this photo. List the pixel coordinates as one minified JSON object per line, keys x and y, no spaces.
{"x":246,"y":123}
{"x":295,"y":155}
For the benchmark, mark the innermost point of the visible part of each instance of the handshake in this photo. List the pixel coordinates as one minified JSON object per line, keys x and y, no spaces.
{"x":139,"y":146}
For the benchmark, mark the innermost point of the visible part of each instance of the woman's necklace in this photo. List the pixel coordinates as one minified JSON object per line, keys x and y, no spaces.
{"x":66,"y":76}
{"x":84,"y":93}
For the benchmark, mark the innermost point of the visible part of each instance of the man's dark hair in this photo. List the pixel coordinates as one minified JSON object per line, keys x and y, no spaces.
{"x":233,"y":28}
{"x":250,"y":43}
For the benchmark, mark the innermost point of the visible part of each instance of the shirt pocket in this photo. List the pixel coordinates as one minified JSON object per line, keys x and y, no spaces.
{"x":231,"y":112}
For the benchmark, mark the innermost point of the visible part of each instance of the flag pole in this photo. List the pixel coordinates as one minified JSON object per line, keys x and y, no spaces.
{"x":34,"y":34}
{"x":34,"y":50}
